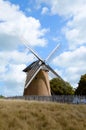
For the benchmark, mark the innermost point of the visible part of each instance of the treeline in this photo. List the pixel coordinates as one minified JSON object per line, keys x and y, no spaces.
{"x":1,"y":96}
{"x":60,"y":87}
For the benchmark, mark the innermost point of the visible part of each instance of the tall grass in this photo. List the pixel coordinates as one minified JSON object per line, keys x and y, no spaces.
{"x":27,"y":115}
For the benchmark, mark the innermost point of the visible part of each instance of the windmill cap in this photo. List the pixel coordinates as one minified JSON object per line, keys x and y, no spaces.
{"x":34,"y":64}
{"x":30,"y":66}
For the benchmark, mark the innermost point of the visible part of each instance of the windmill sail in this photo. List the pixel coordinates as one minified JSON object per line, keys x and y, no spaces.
{"x":53,"y":72}
{"x":37,"y":81}
{"x":30,"y":49}
{"x":53,"y":51}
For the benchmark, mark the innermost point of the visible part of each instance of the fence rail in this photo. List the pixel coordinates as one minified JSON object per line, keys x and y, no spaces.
{"x":60,"y":98}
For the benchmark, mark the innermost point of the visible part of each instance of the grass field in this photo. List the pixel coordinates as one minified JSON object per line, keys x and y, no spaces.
{"x":27,"y":115}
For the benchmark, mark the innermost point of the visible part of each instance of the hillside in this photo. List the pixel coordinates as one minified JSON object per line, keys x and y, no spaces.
{"x":27,"y":115}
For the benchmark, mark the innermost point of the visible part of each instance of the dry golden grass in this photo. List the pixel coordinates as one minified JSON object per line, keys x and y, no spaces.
{"x":27,"y":115}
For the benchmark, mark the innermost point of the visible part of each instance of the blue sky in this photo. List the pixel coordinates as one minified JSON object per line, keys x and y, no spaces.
{"x":44,"y":24}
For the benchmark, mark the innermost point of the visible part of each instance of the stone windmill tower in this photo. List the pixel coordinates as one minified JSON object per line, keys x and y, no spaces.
{"x":37,"y":81}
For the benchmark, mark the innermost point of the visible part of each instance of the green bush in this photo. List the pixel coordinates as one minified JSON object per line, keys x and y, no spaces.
{"x":60,"y":87}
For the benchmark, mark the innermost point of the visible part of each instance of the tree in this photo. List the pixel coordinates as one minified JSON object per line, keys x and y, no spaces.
{"x":60,"y":87}
{"x":81,"y":89}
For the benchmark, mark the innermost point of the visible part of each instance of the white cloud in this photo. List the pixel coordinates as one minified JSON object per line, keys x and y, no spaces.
{"x":74,"y":14}
{"x":12,"y":76}
{"x":73,"y":64}
{"x":13,"y":80}
{"x":16,"y":23}
{"x":15,"y":73}
{"x":66,"y":7}
{"x":76,"y":57}
{"x":15,"y":57}
{"x":8,"y":42}
{"x":44,"y":10}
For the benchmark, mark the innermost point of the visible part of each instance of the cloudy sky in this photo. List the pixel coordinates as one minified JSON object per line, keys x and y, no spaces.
{"x":44,"y":24}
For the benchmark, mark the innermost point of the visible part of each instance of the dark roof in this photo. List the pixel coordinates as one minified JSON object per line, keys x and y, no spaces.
{"x":33,"y":65}
{"x":30,"y":66}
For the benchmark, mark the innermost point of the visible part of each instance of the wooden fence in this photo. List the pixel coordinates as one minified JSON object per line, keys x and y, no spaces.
{"x":60,"y":98}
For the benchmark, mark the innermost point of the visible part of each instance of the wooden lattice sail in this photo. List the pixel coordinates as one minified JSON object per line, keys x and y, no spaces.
{"x":37,"y":81}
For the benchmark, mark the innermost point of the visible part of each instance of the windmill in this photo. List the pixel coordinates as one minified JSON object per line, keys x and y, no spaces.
{"x":37,"y":80}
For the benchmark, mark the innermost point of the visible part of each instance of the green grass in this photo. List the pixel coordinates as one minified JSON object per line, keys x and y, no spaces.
{"x":27,"y":115}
